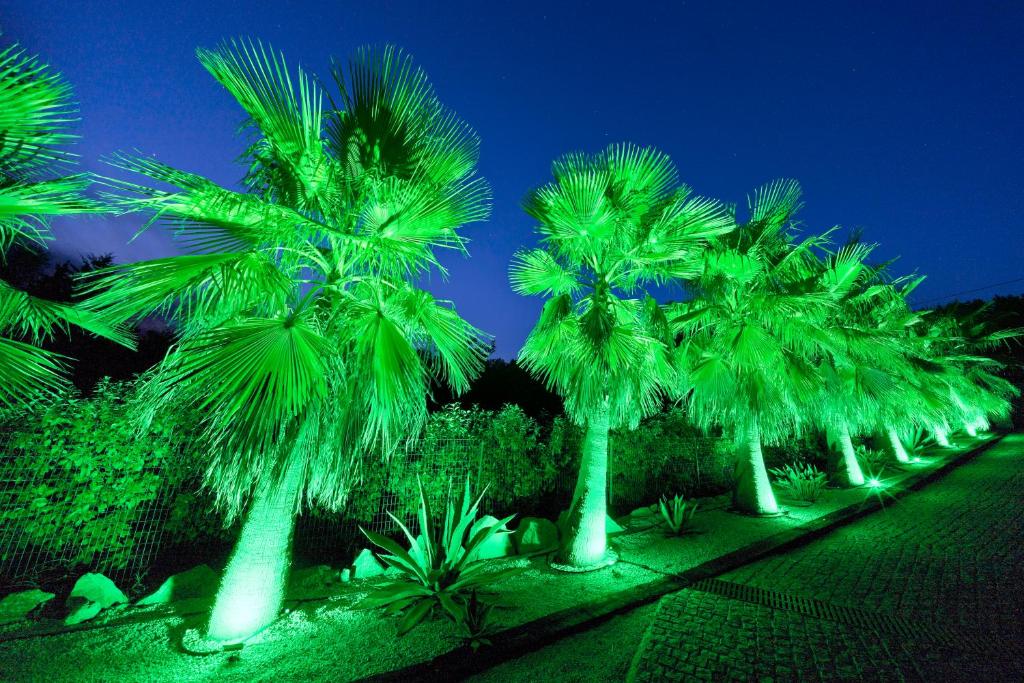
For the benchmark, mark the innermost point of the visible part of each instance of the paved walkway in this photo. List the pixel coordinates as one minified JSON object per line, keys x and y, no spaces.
{"x":929,"y":589}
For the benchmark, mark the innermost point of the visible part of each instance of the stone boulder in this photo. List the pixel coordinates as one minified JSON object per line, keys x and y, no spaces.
{"x":498,"y":545}
{"x":92,"y":594}
{"x":17,"y":606}
{"x":198,"y":582}
{"x":312,"y":580}
{"x":535,"y":534}
{"x":643,"y":517}
{"x":366,"y":565}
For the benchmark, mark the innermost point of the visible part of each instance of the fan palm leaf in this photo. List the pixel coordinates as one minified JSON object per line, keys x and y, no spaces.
{"x":35,"y":113}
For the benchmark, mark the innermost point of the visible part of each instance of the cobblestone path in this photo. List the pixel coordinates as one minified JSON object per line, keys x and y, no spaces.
{"x":931,"y":588}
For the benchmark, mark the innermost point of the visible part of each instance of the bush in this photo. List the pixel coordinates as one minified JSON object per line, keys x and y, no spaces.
{"x":807,"y":448}
{"x":79,"y":477}
{"x":666,"y":451}
{"x":512,"y":462}
{"x":534,"y":472}
{"x":498,"y":449}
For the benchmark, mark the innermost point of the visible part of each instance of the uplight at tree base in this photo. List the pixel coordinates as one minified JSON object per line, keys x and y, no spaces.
{"x":874,"y":483}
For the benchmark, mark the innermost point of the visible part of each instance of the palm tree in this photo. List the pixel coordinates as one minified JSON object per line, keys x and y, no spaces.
{"x":610,"y":224}
{"x":752,"y":335}
{"x":35,"y":110}
{"x":861,"y":365}
{"x":303,"y":336}
{"x":908,"y":403}
{"x":967,"y":378}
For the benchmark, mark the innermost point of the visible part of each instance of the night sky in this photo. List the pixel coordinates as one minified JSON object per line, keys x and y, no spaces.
{"x":902,"y":121}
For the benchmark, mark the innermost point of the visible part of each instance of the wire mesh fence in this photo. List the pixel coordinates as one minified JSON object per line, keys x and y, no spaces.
{"x":53,"y":520}
{"x":58,"y":517}
{"x":639,"y":473}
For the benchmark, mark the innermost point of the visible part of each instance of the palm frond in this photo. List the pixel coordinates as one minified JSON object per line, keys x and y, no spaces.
{"x":536,"y":271}
{"x":37,"y":319}
{"x":35,"y":111}
{"x":24,"y":206}
{"x":253,"y":377}
{"x":26,"y":372}
{"x":205,"y":286}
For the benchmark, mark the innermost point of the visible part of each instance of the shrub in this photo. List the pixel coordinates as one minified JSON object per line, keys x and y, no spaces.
{"x":806,"y":448}
{"x":666,"y":451}
{"x":79,"y":475}
{"x":801,"y":481}
{"x":512,"y":463}
{"x":500,"y":450}
{"x":677,"y":514}
{"x":440,"y":569}
{"x":193,"y":518}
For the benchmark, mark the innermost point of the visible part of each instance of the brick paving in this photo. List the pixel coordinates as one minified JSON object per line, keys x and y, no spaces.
{"x":942,"y":572}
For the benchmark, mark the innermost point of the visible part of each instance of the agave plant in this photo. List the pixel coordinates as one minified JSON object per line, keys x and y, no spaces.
{"x":35,"y":109}
{"x":441,"y":569}
{"x":476,"y":626}
{"x":611,"y":224}
{"x":801,"y":481}
{"x":304,"y":335}
{"x":677,"y":514}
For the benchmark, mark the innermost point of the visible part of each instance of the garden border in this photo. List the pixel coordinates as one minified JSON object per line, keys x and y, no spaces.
{"x":462,"y":661}
{"x":533,"y":635}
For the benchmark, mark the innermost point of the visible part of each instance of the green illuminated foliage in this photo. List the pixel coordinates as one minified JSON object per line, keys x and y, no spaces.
{"x":88,"y":475}
{"x":499,"y":449}
{"x":752,"y":335}
{"x":305,"y":339}
{"x":35,"y":112}
{"x":677,"y":514}
{"x":968,"y":382}
{"x":441,"y":569}
{"x":476,"y":624}
{"x":611,"y":224}
{"x":864,"y":356}
{"x":800,"y":481}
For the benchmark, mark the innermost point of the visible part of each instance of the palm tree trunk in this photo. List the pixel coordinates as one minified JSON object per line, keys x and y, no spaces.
{"x":252,"y":590}
{"x":941,"y":437}
{"x":585,"y":541}
{"x":753,"y":493}
{"x":847,"y":469}
{"x":895,"y":445}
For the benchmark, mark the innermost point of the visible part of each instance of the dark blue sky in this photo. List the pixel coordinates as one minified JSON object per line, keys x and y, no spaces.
{"x":903,"y":119}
